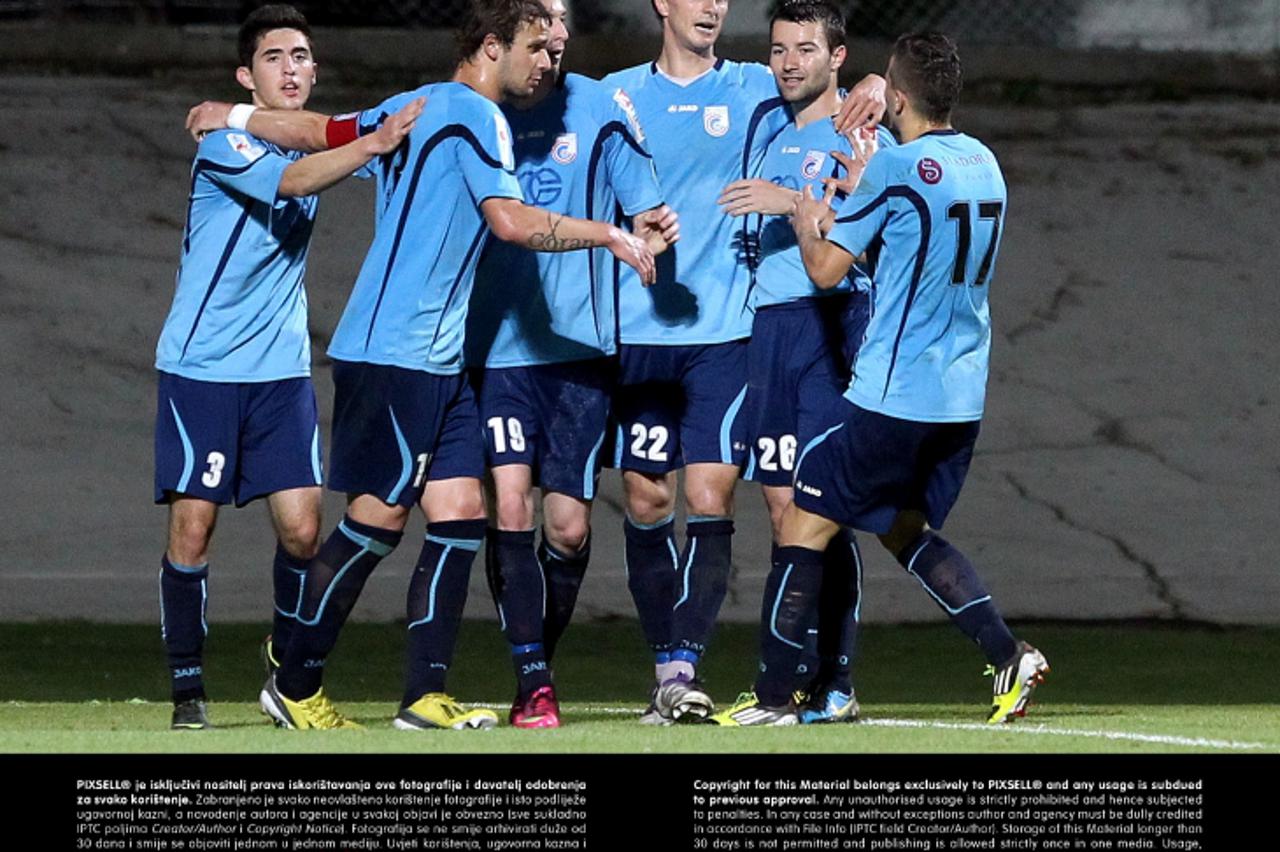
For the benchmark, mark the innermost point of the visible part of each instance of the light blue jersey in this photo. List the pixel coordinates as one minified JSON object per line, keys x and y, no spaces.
{"x":703,"y":136}
{"x":580,"y":151}
{"x":239,"y":311}
{"x":931,"y":211}
{"x":408,"y":307}
{"x":800,"y":157}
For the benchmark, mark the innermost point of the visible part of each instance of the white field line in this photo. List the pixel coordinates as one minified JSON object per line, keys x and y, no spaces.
{"x":1019,"y":728}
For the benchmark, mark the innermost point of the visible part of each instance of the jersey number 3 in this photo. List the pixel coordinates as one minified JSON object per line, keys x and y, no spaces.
{"x":962,"y":213}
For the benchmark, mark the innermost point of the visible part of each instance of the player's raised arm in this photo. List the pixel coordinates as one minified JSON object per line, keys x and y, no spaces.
{"x":824,"y":261}
{"x":317,"y":172}
{"x":298,"y":130}
{"x":864,"y":106}
{"x":540,"y":230}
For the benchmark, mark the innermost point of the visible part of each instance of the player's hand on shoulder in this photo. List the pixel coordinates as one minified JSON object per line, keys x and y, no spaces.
{"x":756,"y":195}
{"x":865,"y":143}
{"x":659,"y":228}
{"x":393,"y":131}
{"x":204,"y":118}
{"x":864,"y":106}
{"x":634,"y":252}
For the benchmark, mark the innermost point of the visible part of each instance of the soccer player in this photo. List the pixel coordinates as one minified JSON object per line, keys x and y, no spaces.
{"x":539,"y":335}
{"x":236,"y":412}
{"x":803,"y":339}
{"x":405,"y":429}
{"x":894,"y":462}
{"x":682,"y":352}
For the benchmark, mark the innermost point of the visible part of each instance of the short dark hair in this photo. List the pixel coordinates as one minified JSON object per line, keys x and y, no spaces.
{"x":927,"y":67}
{"x":276,"y":16}
{"x":502,"y":18}
{"x":813,"y":12}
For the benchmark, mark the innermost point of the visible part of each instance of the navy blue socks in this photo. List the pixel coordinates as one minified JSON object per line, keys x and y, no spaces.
{"x":183,"y":596}
{"x":334,"y":581}
{"x":437,"y":595}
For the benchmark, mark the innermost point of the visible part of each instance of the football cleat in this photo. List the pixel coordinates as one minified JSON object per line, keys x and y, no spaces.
{"x":652,"y":715}
{"x":683,"y":699}
{"x":190,"y":715}
{"x":316,"y":712}
{"x":268,"y":655}
{"x":1014,"y":683}
{"x":538,"y":709}
{"x":826,"y":705}
{"x":437,"y":710}
{"x":747,"y":712}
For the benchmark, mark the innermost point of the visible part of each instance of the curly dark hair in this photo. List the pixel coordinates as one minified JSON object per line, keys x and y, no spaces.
{"x":502,"y":18}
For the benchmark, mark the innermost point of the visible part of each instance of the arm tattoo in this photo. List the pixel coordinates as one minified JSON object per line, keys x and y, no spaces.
{"x":552,"y":242}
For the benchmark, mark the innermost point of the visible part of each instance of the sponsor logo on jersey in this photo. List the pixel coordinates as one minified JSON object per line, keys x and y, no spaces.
{"x":683,"y":108}
{"x":930,"y":170}
{"x":623,"y":100}
{"x":565,"y":149}
{"x":541,"y":187}
{"x":791,"y":149}
{"x":715,"y":120}
{"x":245,"y":147}
{"x":812,"y":165}
{"x":505,"y":153}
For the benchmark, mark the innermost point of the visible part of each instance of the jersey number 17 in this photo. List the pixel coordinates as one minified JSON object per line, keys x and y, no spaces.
{"x":962,"y":213}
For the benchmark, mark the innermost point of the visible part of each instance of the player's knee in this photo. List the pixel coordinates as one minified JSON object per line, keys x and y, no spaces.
{"x":301,"y":538}
{"x":567,"y":535}
{"x":189,"y":541}
{"x":649,"y":500}
{"x":515,"y":511}
{"x":709,"y":499}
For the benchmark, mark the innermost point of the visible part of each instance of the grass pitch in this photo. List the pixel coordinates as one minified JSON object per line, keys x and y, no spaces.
{"x":1116,"y":688}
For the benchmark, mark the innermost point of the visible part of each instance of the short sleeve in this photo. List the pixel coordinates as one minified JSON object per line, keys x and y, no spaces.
{"x":370,"y":120}
{"x":486,"y":159}
{"x":631,"y":171}
{"x":241,"y":163}
{"x":864,"y":212}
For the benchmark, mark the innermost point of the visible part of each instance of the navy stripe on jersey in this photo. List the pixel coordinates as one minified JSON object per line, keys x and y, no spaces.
{"x":750,"y":235}
{"x":597,"y":151}
{"x":217,"y":273}
{"x":447,"y":132}
{"x":476,"y":242}
{"x":206,"y":166}
{"x":917,"y":272}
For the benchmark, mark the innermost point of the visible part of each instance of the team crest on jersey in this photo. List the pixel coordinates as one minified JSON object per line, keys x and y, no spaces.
{"x":623,"y":100}
{"x":565,"y":149}
{"x":715,"y":120}
{"x":245,"y":147}
{"x":812,"y":165}
{"x":930,"y":170}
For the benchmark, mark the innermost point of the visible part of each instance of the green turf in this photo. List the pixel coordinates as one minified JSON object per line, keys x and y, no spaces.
{"x":91,"y":688}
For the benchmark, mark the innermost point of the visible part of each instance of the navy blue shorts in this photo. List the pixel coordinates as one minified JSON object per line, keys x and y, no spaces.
{"x":798,"y":364}
{"x":867,"y":467}
{"x":235,"y":441}
{"x":394,"y":430}
{"x":679,"y":405}
{"x":551,"y":417}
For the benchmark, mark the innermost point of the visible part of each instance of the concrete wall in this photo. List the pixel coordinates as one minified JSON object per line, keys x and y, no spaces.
{"x":1129,"y":463}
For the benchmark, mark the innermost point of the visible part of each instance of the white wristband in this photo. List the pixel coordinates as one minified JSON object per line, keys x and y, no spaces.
{"x":238,"y":118}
